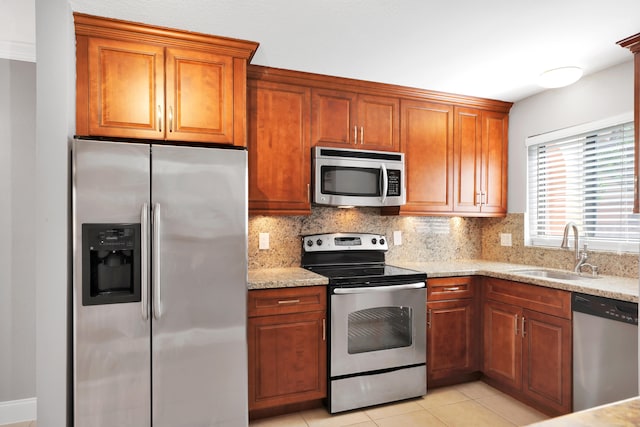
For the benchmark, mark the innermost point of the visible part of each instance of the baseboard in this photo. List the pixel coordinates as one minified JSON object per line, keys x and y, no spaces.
{"x":15,"y":411}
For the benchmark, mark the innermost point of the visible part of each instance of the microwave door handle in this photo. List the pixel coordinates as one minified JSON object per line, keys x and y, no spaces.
{"x":385,"y":182}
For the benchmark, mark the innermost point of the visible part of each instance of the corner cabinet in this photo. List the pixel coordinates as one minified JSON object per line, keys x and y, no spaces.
{"x":286,"y":346}
{"x":139,"y":81}
{"x":633,"y":44}
{"x":480,"y":152}
{"x":453,"y":331}
{"x":279,"y":149}
{"x":528,"y":342}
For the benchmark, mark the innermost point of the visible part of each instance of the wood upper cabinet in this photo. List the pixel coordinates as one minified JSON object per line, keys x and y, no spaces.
{"x":286,"y":346}
{"x":279,"y":150}
{"x":453,"y":330}
{"x":527,"y":343}
{"x":351,"y":120}
{"x":426,"y":139}
{"x":480,"y":162}
{"x":633,"y":44}
{"x":138,"y":81}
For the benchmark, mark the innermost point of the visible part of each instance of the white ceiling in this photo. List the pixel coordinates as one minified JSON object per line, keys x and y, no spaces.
{"x":486,"y":48}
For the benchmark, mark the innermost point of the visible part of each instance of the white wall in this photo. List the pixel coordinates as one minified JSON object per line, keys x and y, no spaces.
{"x":604,"y":94}
{"x":17,"y":251}
{"x":18,"y":30}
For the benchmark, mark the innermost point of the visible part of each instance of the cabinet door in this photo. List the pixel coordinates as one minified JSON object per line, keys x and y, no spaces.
{"x":126,"y":88}
{"x":494,"y":162}
{"x":467,"y":154}
{"x":452,"y":338}
{"x":547,"y":360}
{"x":279,"y":152}
{"x":287,"y":359}
{"x":200,"y":96}
{"x":503,"y":344}
{"x":333,"y":118}
{"x":427,"y":141}
{"x":378,"y":123}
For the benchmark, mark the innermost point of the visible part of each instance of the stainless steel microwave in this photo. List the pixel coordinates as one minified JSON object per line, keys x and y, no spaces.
{"x":344,"y":177}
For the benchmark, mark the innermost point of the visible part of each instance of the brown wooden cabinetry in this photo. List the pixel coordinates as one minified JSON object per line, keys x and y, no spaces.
{"x":480,"y":162}
{"x":287,"y":347}
{"x":351,"y":120}
{"x":633,"y":44}
{"x":279,"y":150}
{"x":453,"y":331}
{"x":527,"y":343}
{"x":138,"y":81}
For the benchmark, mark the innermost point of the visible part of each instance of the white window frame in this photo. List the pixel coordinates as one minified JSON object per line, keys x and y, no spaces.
{"x":555,"y":241}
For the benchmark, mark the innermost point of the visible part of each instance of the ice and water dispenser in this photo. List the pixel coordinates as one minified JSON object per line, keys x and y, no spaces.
{"x":111,"y":259}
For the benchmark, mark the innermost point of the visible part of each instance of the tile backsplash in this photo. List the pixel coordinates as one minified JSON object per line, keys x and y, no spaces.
{"x":423,"y":239}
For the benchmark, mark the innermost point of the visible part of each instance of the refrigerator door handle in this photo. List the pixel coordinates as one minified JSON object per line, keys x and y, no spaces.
{"x":155,"y":261}
{"x":144,"y":264}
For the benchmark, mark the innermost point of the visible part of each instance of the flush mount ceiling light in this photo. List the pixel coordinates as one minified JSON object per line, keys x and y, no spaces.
{"x":559,"y":77}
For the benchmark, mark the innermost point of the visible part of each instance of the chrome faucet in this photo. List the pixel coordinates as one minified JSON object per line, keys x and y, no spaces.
{"x":581,"y":256}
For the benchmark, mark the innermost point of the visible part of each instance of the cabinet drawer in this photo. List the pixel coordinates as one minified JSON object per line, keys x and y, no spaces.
{"x":446,"y":288}
{"x":266,"y":302}
{"x":555,"y":302}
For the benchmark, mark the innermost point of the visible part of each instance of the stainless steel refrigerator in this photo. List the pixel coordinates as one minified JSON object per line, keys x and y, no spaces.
{"x":159,"y":285}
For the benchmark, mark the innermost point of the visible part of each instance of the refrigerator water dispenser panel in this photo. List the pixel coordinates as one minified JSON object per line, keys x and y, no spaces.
{"x":111,"y":261}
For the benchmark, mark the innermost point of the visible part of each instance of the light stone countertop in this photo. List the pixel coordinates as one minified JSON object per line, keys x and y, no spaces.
{"x":620,"y":288}
{"x":625,"y":413}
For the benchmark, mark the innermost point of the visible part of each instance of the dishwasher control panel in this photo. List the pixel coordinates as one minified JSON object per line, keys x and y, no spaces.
{"x":622,"y":311}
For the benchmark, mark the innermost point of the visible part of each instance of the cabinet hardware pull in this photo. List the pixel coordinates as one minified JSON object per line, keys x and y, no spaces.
{"x":289,"y":301}
{"x":324,"y":329}
{"x":429,"y":314}
{"x":159,"y":119}
{"x":478,"y":198}
{"x":515,"y":324}
{"x":309,"y":193}
{"x":362,"y":135}
{"x":355,"y":135}
{"x":483,"y":198}
{"x":522,"y":328}
{"x":451,"y":289}
{"x":170,"y":119}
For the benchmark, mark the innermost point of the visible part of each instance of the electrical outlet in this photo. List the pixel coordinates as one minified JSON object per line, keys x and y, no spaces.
{"x":263,"y":241}
{"x":397,"y":238}
{"x":505,"y":239}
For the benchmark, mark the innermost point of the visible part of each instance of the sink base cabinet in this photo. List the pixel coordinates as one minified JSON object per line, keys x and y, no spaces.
{"x":286,"y":347}
{"x":452,"y":331}
{"x":527,"y":353}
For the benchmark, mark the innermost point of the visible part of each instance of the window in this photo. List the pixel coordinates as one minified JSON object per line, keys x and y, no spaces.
{"x":584,"y":174}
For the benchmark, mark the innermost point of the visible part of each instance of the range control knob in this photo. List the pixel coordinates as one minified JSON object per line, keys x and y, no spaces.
{"x":319,"y":242}
{"x":374,"y":241}
{"x":309,"y":242}
{"x":382,"y":241}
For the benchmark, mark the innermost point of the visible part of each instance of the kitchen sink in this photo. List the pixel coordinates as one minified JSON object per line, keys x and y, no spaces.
{"x":553,"y":274}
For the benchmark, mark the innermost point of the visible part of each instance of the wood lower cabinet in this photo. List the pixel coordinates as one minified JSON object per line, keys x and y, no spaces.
{"x":351,"y":120}
{"x":453,"y":331}
{"x":287,"y":346}
{"x":528,"y":342}
{"x":139,"y":81}
{"x":279,"y":149}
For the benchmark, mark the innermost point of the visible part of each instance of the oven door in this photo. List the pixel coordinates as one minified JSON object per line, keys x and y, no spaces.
{"x":377,"y":328}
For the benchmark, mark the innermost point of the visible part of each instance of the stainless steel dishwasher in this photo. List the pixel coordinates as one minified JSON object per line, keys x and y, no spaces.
{"x":605,"y":350}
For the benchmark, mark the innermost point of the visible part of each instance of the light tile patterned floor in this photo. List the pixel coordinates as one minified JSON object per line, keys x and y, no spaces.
{"x":21,"y":424}
{"x":472,"y":404}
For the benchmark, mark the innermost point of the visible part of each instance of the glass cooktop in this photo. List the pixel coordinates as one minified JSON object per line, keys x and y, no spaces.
{"x":368,"y":274}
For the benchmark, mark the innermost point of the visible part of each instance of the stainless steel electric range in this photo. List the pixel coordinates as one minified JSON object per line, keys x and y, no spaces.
{"x":377,"y":313}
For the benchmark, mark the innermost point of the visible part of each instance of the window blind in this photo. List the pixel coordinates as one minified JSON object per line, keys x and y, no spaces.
{"x":588,"y":179}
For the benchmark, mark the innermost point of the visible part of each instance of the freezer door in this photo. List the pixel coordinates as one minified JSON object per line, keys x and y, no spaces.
{"x":111,"y":345}
{"x":199,"y":356}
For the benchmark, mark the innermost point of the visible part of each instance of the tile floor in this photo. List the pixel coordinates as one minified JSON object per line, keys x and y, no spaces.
{"x":472,"y":404}
{"x":21,"y":424}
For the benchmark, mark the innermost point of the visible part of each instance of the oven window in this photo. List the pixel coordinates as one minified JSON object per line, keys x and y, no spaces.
{"x":379,"y":328}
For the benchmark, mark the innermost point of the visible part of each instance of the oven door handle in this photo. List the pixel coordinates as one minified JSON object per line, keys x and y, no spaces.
{"x":368,"y":289}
